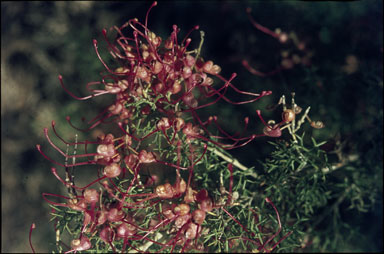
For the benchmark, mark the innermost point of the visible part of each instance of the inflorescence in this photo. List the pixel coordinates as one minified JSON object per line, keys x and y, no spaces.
{"x":159,"y":85}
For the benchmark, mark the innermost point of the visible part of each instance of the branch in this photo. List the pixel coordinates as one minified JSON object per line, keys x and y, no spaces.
{"x":233,"y":161}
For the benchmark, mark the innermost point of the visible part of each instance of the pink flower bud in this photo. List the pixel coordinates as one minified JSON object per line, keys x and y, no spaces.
{"x":115,"y":215}
{"x":159,"y":87}
{"x":188,"y":198}
{"x":81,"y":244}
{"x":168,"y":213}
{"x":176,"y":87}
{"x":123,"y":84}
{"x":107,"y":234}
{"x":206,"y":205}
{"x":157,"y":67}
{"x":146,"y":157}
{"x":182,"y":220}
{"x":207,"y":82}
{"x":179,"y":124}
{"x":78,"y":206}
{"x":112,"y":170}
{"x":190,"y":100}
{"x":180,"y":186}
{"x":125,"y":230}
{"x":198,"y":216}
{"x":189,"y":61}
{"x":163,"y":124}
{"x":116,"y":108}
{"x":191,"y":231}
{"x":106,"y":150}
{"x":131,"y":160}
{"x":274,"y":131}
{"x":165,"y":191}
{"x":187,"y":72}
{"x":101,"y":217}
{"x":91,"y":196}
{"x":207,"y":66}
{"x":182,"y":209}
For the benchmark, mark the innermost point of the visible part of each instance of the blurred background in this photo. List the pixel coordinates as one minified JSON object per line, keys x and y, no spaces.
{"x":339,"y":73}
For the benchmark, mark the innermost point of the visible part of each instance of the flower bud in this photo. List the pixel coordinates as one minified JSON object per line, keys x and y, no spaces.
{"x":187,"y":72}
{"x":191,"y":231}
{"x":317,"y":124}
{"x":207,"y":66}
{"x":168,"y":44}
{"x":77,"y":205}
{"x":190,"y":100}
{"x":101,"y":217}
{"x":146,"y":157}
{"x":91,"y":196}
{"x":168,"y":213}
{"x":116,"y":108}
{"x":81,"y":244}
{"x":182,"y":209}
{"x":188,"y":198}
{"x":179,"y":124}
{"x":159,"y":87}
{"x":163,"y":124}
{"x":180,"y":186}
{"x":164,"y":191}
{"x":207,"y":82}
{"x":198,"y":216}
{"x":106,"y":150}
{"x":182,"y":220}
{"x":112,"y":170}
{"x":123,"y":84}
{"x":157,"y":67}
{"x":288,"y":115}
{"x":176,"y":87}
{"x":107,"y":234}
{"x":206,"y":205}
{"x":125,"y":230}
{"x":274,"y":131}
{"x":189,"y":61}
{"x":131,"y":160}
{"x":115,"y":215}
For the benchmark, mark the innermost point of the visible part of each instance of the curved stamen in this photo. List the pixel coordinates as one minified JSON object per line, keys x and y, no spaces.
{"x":189,"y":32}
{"x":61,"y":152}
{"x":260,"y":27}
{"x":98,"y":55}
{"x":33,"y":226}
{"x":53,"y":123}
{"x":146,"y":16}
{"x":80,"y":98}
{"x":62,"y":165}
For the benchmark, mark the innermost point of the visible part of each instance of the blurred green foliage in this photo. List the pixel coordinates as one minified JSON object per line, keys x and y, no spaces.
{"x":43,"y":39}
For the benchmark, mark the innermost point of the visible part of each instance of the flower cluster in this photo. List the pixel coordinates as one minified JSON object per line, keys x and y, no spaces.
{"x":294,"y":55}
{"x":158,"y":86}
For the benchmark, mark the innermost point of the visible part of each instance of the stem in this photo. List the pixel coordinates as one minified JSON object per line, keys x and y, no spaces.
{"x":148,"y":244}
{"x":233,"y":161}
{"x":33,"y":226}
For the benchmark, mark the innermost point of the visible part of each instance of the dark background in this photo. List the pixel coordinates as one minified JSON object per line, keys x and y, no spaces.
{"x":40,"y":40}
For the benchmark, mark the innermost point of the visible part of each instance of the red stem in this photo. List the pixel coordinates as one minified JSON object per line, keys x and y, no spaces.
{"x":33,"y":226}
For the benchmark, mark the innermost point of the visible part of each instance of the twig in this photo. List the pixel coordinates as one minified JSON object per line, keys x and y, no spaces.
{"x":148,"y":244}
{"x":234,"y":162}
